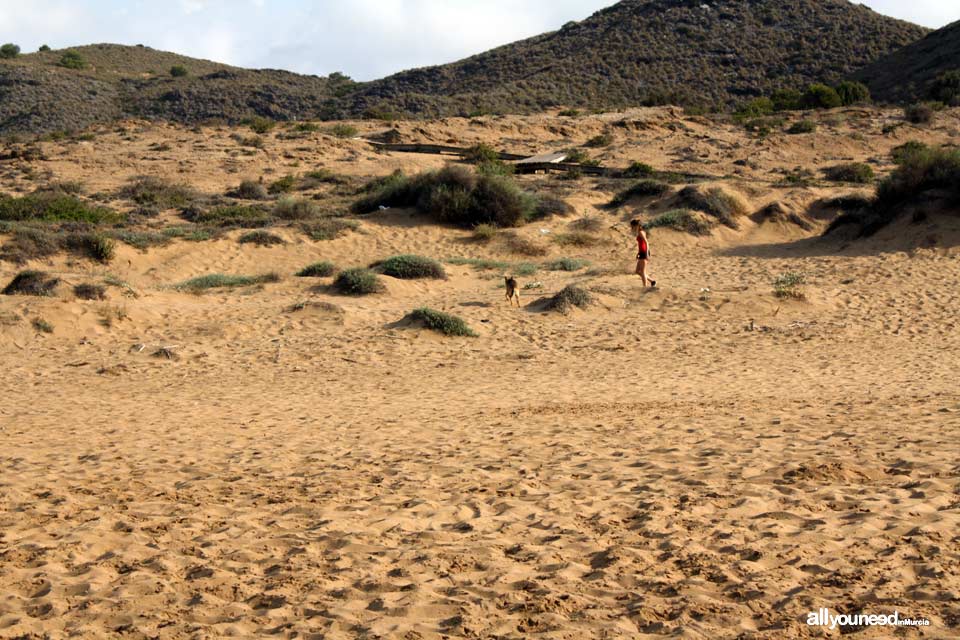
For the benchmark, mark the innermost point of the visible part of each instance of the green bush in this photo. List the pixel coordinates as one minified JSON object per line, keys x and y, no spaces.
{"x":410,"y":267}
{"x":234,"y":215}
{"x":919,"y":113}
{"x":283,"y":185}
{"x":158,"y":192}
{"x":921,"y":170}
{"x":250,"y":190}
{"x":786,"y":100}
{"x":260,"y":238}
{"x":54,"y":206}
{"x":139,"y":239}
{"x":906,"y":151}
{"x":448,"y":325}
{"x":715,"y":202}
{"x":756,"y":108}
{"x":295,"y":209}
{"x":9,"y":50}
{"x":803,"y":126}
{"x":570,"y":113}
{"x":178,"y":71}
{"x":30,"y":243}
{"x":575,"y":239}
{"x":481,"y":153}
{"x":94,"y":245}
{"x":856,"y":172}
{"x":567,"y":264}
{"x":853,"y":93}
{"x":219,"y":280}
{"x":946,"y":88}
{"x":638,"y":170}
{"x":358,"y":282}
{"x":31,"y":283}
{"x":484,"y":232}
{"x":259,"y":124}
{"x":601,"y":140}
{"x":569,"y":297}
{"x":42,"y":325}
{"x":44,"y":47}
{"x":786,"y":285}
{"x":72,"y":60}
{"x":682,"y":220}
{"x":317,"y":270}
{"x":643,"y":189}
{"x":820,"y":96}
{"x":343,"y":131}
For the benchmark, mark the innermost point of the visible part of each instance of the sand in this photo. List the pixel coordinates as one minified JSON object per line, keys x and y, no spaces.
{"x":705,"y":460}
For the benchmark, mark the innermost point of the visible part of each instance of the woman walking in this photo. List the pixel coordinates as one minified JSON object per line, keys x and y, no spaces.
{"x":643,"y":252}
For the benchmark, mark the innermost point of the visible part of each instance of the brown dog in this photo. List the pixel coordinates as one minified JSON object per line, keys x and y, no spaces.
{"x":513,"y":290}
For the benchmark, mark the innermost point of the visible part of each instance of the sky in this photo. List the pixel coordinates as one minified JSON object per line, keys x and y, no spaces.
{"x":365,"y":39}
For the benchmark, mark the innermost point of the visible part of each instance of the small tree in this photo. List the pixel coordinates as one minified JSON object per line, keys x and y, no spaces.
{"x":853,"y":92}
{"x":44,"y":47}
{"x":820,"y":96}
{"x":178,"y":71}
{"x":9,"y":50}
{"x":72,"y":60}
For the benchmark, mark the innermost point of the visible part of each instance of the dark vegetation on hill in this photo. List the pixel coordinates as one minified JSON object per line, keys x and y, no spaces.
{"x":705,"y":53}
{"x":928,"y":69}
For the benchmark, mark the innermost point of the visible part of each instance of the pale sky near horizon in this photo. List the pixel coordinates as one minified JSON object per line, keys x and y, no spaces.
{"x":366,"y":39}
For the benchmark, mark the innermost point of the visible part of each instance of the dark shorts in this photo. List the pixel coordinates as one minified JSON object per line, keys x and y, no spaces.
{"x":643,"y":255}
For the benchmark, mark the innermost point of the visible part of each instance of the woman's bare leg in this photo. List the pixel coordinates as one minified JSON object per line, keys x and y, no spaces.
{"x":642,"y":272}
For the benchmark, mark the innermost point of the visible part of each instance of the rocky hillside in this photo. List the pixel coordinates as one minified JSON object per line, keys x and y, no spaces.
{"x":707,"y":52}
{"x":693,"y":52}
{"x":911,"y":73}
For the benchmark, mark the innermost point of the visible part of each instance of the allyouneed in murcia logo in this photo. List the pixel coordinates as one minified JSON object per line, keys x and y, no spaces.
{"x":823,"y":618}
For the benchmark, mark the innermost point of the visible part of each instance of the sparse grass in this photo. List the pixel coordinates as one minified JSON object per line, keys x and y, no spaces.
{"x":587,"y":224}
{"x":682,"y":220}
{"x":486,"y":264}
{"x":567,"y":264}
{"x":328,"y":228}
{"x":856,"y":172}
{"x":569,"y":297}
{"x":283,"y":185}
{"x":234,"y":215}
{"x":445,"y":323}
{"x":30,"y":243}
{"x":643,"y":189}
{"x":260,"y":238}
{"x":31,"y":283}
{"x":343,"y":131}
{"x":54,"y":206}
{"x":525,"y":269}
{"x":142,"y":240}
{"x":88,"y":291}
{"x":714,"y":202}
{"x":798,"y":177}
{"x":321,"y":269}
{"x":295,"y":209}
{"x":803,"y":126}
{"x":220,"y":281}
{"x":42,"y":325}
{"x":190,"y":234}
{"x":550,"y":206}
{"x":575,"y":239}
{"x":358,"y":282}
{"x":158,"y":192}
{"x":409,"y":267}
{"x":788,"y":285}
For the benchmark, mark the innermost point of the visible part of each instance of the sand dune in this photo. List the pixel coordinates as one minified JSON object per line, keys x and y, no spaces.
{"x":700,"y":461}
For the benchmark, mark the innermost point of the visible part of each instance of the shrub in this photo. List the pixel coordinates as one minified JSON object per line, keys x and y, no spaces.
{"x":87,"y":291}
{"x":410,"y":267}
{"x":448,"y":325}
{"x":946,"y":88}
{"x":29,"y":244}
{"x":820,"y":96}
{"x":587,"y":223}
{"x":484,"y":232}
{"x":495,"y":168}
{"x":312,"y":179}
{"x":853,"y":93}
{"x":715,"y":202}
{"x":228,"y":216}
{"x":498,"y":200}
{"x":54,"y":206}
{"x":158,"y":192}
{"x":72,"y":60}
{"x":44,"y":47}
{"x":756,"y":108}
{"x":922,"y":170}
{"x":317,"y":270}
{"x":803,"y":126}
{"x":682,"y":220}
{"x":259,"y":124}
{"x":283,"y":185}
{"x":643,"y":189}
{"x":9,"y":50}
{"x":343,"y":131}
{"x":567,"y":264}
{"x":31,"y":283}
{"x":250,"y":190}
{"x":575,"y":239}
{"x":577,"y":156}
{"x":856,"y":172}
{"x":260,"y":238}
{"x":570,"y":113}
{"x":295,"y":209}
{"x":42,"y":325}
{"x":786,"y":100}
{"x":638,"y":170}
{"x":786,"y":285}
{"x":907,"y":151}
{"x":919,"y":113}
{"x":550,"y":206}
{"x":602,"y":140}
{"x":517,"y":244}
{"x":139,"y":239}
{"x":219,"y":280}
{"x":569,"y":297}
{"x":358,"y":282}
{"x":481,"y":153}
{"x":178,"y":71}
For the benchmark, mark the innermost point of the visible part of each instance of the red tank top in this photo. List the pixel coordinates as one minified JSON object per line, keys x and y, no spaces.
{"x":642,"y":243}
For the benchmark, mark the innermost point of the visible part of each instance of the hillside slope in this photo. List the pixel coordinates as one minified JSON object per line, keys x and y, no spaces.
{"x":714,"y":52}
{"x":906,"y":74}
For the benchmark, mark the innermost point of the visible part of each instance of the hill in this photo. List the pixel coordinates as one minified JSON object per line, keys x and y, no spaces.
{"x":707,"y":52}
{"x":715,"y":52}
{"x":909,"y":73}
